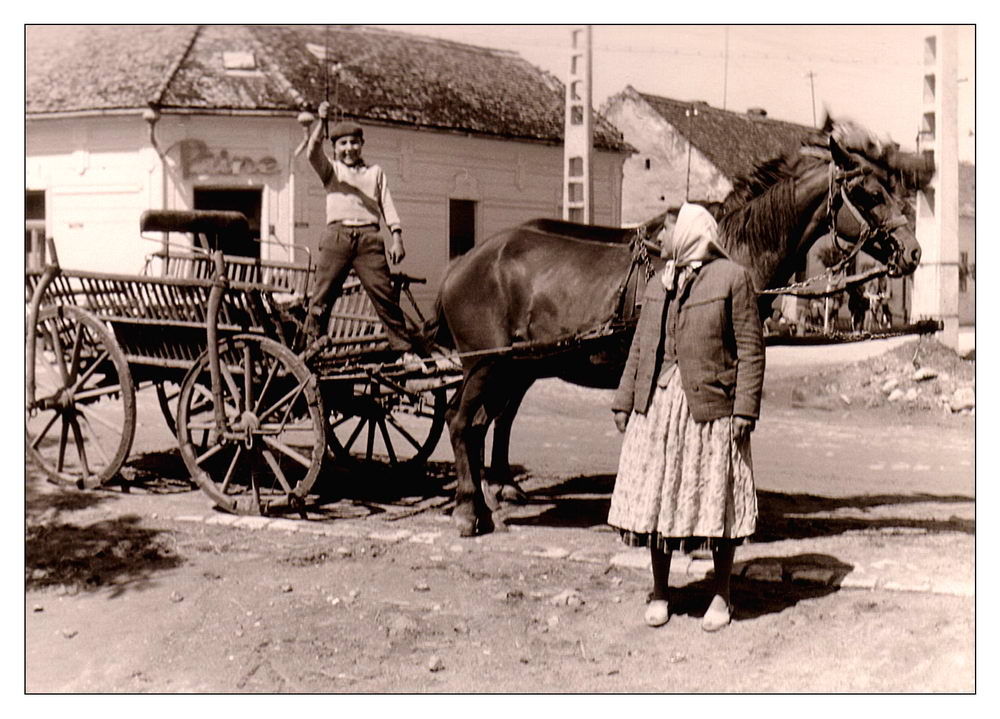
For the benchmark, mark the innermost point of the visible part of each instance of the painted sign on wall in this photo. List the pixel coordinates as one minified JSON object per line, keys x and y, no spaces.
{"x":198,"y":159}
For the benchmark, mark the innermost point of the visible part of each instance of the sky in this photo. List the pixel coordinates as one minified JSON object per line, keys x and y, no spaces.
{"x":870,"y":73}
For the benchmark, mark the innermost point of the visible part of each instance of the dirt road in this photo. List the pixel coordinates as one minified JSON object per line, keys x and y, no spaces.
{"x":860,"y":580}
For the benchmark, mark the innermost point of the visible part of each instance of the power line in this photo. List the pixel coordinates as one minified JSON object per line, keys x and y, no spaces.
{"x":712,"y":54}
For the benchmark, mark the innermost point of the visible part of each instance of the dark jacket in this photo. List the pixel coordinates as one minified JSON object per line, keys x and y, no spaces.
{"x":719,"y":345}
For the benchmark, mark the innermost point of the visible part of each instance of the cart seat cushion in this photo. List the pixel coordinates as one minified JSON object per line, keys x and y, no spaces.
{"x":208,"y":222}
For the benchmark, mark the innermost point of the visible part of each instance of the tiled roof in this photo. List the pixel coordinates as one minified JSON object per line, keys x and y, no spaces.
{"x":98,"y":67}
{"x":384,"y":76}
{"x":734,"y":142}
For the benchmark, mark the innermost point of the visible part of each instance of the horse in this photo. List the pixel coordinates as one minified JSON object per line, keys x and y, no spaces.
{"x":521,"y":305}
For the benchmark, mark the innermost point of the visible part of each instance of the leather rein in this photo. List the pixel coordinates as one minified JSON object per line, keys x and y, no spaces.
{"x":838,"y":195}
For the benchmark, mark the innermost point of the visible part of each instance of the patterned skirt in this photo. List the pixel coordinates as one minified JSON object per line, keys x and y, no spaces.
{"x":679,"y":479}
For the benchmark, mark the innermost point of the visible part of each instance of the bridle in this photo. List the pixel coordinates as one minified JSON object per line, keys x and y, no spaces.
{"x":840,"y":185}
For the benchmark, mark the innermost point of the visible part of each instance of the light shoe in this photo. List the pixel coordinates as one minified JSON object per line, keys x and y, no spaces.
{"x":716,"y":619}
{"x":412,"y":361}
{"x":446,"y":362}
{"x":657,"y":613}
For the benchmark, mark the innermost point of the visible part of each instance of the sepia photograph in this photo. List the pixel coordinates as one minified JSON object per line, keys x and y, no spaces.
{"x":517,"y":359}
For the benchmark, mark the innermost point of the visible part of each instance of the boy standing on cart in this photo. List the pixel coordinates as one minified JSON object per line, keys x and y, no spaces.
{"x":357,"y":200}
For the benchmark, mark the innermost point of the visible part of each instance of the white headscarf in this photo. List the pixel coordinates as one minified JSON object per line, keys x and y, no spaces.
{"x":693,"y":243}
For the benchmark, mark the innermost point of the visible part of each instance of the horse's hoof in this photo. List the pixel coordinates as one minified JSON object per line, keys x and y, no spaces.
{"x":512,"y":493}
{"x":466,"y":527}
{"x":491,"y":498}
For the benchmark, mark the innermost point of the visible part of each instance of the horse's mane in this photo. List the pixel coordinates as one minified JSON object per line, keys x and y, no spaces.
{"x":760,"y":210}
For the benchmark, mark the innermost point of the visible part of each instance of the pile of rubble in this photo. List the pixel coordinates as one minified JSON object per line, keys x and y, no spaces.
{"x":920,"y":375}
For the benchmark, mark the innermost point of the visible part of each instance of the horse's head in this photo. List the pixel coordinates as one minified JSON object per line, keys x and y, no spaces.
{"x":868,"y":182}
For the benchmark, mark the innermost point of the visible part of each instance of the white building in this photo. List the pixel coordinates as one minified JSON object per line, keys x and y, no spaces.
{"x":470,"y":138}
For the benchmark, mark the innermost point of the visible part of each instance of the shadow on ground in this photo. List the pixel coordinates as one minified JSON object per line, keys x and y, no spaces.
{"x":160,"y":472}
{"x":59,"y":552}
{"x":584,"y":501}
{"x":751,"y":599}
{"x":116,"y":553}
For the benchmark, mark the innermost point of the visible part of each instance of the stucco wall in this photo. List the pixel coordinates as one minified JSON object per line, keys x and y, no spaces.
{"x":657,"y":177}
{"x":100,"y":174}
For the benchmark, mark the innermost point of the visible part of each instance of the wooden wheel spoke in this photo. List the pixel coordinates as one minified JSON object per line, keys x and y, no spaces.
{"x":95,"y":444}
{"x":89,"y":372}
{"x":214,"y":450}
{"x":354,"y":435}
{"x":63,"y":440}
{"x":95,"y":416}
{"x":74,"y":353}
{"x":385,"y":438}
{"x":81,"y":448}
{"x":45,"y":430}
{"x":97,"y":392}
{"x":287,"y":451}
{"x":402,"y":430}
{"x":371,"y":439}
{"x":48,"y":378}
{"x":231,"y":469}
{"x":276,"y":469}
{"x":287,"y":401}
{"x":271,"y":374}
{"x":204,"y":403}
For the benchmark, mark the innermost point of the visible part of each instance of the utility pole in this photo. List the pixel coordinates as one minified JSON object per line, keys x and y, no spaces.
{"x":812,"y":92}
{"x":935,"y":282}
{"x":725,"y":70}
{"x":578,"y":187}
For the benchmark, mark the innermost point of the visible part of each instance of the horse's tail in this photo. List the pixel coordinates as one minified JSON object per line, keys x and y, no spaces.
{"x":435,"y":332}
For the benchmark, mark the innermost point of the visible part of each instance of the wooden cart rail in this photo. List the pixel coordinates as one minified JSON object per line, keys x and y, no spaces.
{"x":291,"y":277}
{"x":161,"y":321}
{"x":354,"y":326}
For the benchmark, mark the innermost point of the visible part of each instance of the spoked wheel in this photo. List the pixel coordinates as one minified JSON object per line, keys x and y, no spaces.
{"x":80,"y":423}
{"x":270,"y":448}
{"x":381,"y":421}
{"x":167,"y":393}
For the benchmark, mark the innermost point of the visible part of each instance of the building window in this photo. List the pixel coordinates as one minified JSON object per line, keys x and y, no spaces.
{"x":648,"y":163}
{"x":34,"y":228}
{"x":461,"y":227}
{"x":963,"y":272}
{"x":246,"y":201}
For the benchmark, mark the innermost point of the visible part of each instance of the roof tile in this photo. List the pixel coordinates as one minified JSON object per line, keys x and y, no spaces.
{"x":383,"y":76}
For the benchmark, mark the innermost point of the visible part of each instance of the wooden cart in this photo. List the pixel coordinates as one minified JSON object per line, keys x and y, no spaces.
{"x":218,"y":338}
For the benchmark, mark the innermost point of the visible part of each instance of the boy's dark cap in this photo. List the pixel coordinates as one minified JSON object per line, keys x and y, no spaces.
{"x":344,"y":128}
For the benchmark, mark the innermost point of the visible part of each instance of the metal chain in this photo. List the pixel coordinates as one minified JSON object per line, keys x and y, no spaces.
{"x":641,"y":252}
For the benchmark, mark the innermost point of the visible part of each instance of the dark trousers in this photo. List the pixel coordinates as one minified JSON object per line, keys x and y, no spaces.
{"x":361,"y":248}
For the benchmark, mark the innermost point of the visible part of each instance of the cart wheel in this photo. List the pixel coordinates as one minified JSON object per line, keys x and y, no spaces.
{"x":379,"y":423}
{"x":167,"y":393}
{"x":81,"y":421}
{"x":270,"y":450}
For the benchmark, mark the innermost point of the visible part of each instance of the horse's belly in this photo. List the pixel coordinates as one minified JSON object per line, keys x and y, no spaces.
{"x":599,"y":370}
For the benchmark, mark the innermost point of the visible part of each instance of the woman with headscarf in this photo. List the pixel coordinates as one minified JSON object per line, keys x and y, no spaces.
{"x":687,"y":403}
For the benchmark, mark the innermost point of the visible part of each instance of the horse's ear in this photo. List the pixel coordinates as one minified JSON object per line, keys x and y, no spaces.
{"x":841,"y":157}
{"x":828,"y":123}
